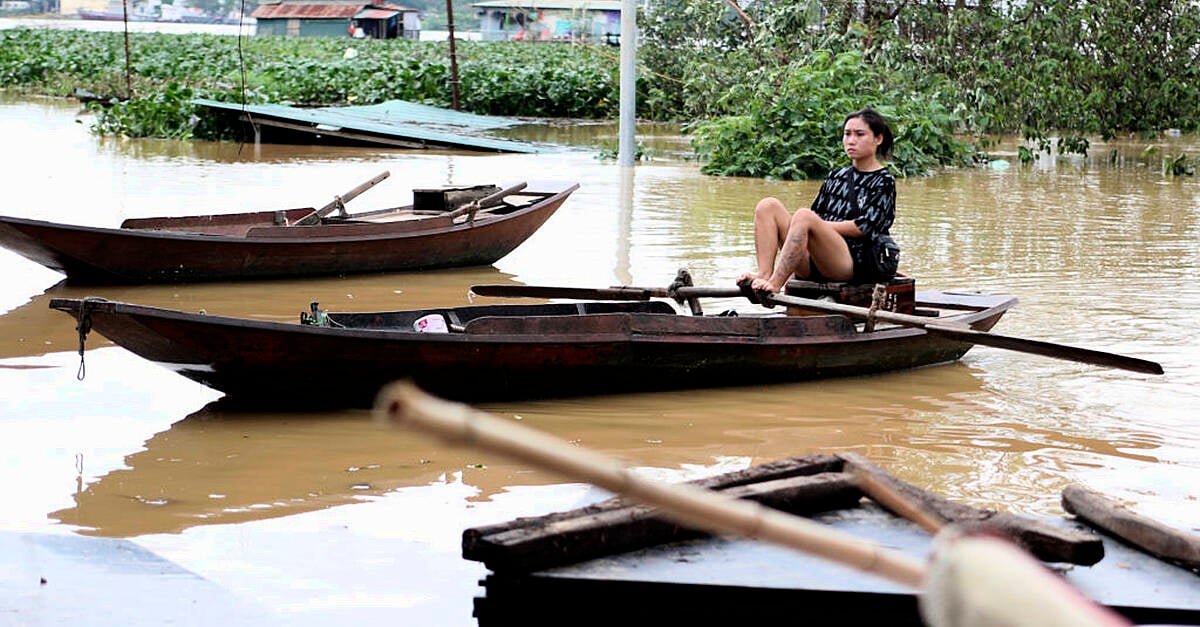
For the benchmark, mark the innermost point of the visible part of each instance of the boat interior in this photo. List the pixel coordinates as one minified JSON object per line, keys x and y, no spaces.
{"x":286,"y":223}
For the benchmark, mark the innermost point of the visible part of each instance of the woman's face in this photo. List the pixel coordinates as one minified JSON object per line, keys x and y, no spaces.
{"x":858,"y":139}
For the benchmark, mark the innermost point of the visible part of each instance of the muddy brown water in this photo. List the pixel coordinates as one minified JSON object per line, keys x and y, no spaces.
{"x":324,"y":517}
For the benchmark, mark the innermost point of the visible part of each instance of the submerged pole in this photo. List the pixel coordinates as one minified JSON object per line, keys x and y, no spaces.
{"x":626,"y":129}
{"x":128,"y":71}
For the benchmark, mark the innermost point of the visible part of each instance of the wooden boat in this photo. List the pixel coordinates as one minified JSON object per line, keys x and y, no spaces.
{"x":544,"y":569}
{"x":507,"y":351}
{"x":437,"y":231}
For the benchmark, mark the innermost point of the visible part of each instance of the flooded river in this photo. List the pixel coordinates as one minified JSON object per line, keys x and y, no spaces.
{"x":323,"y":517}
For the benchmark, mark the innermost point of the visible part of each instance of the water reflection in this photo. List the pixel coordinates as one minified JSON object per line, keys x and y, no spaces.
{"x":216,"y":468}
{"x":226,"y":467}
{"x":222,"y":467}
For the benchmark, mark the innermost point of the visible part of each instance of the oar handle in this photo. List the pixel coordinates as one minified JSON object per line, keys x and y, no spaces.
{"x":491,"y":199}
{"x":602,"y":293}
{"x":340,"y":201}
{"x":486,"y":201}
{"x":852,"y":311}
{"x":580,"y":293}
{"x":354,"y":193}
{"x":403,"y":405}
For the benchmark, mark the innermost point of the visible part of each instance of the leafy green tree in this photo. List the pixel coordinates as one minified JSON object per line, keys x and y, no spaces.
{"x":1045,"y":69}
{"x":791,"y":127}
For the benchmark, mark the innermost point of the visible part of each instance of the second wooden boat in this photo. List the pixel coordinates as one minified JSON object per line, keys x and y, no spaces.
{"x":488,"y":352}
{"x":478,"y":230}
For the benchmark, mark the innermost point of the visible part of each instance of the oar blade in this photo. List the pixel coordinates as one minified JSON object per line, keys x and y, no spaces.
{"x":966,"y":334}
{"x":1048,"y":349}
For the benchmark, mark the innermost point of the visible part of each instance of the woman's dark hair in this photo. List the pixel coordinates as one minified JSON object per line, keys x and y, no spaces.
{"x":879,"y":126}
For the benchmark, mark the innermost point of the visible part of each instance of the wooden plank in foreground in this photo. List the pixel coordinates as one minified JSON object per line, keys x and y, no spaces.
{"x":733,"y":581}
{"x":796,"y":485}
{"x":1046,"y":542}
{"x":1151,"y":536}
{"x":780,"y":469}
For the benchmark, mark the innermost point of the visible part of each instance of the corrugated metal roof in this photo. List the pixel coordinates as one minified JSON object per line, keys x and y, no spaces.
{"x":375,"y":14}
{"x":306,"y":11}
{"x":324,"y":10}
{"x":397,"y":119}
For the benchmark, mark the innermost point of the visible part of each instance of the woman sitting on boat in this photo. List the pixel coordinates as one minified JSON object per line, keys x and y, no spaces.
{"x":843,"y":236}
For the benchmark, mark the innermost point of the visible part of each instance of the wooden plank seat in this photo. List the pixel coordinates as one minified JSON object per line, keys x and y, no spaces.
{"x":899,"y":295}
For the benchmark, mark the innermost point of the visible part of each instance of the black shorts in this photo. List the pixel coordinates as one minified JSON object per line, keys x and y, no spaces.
{"x":864,"y":267}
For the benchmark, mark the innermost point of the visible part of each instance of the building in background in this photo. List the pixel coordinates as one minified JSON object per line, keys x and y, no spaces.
{"x":331,"y":18}
{"x":549,"y":20}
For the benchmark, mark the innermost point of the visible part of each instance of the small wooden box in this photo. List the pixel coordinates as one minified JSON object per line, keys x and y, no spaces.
{"x":449,"y":198}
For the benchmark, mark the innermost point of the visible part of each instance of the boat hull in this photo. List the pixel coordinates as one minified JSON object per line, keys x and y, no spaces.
{"x":92,"y":255}
{"x":508,"y":356}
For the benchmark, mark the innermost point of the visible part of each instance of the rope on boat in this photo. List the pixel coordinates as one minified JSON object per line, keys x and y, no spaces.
{"x":83,"y":328}
{"x":877,"y":297}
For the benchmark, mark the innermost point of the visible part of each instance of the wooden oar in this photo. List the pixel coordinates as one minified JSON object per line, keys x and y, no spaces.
{"x":956,"y":331}
{"x":964,"y":333}
{"x":403,"y":405}
{"x":485,"y":202}
{"x":607,"y":293}
{"x":973,"y":581}
{"x":340,"y":201}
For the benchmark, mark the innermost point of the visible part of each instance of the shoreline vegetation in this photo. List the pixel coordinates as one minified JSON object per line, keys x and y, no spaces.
{"x":760,"y":92}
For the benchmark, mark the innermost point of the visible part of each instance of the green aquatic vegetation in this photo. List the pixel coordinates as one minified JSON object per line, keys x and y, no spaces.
{"x":165,"y":113}
{"x":1069,"y":69}
{"x":495,"y":78}
{"x":761,"y":87}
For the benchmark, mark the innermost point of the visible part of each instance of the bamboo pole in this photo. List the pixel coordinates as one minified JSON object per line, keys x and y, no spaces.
{"x":973,"y":580}
{"x":404,"y":405}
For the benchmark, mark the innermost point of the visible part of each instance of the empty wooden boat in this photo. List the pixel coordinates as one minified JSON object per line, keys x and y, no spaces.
{"x":439,"y":233}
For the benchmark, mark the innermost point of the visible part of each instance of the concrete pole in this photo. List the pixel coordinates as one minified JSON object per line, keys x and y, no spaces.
{"x":627,"y":148}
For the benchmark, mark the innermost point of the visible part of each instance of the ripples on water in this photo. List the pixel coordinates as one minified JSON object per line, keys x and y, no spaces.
{"x":1099,"y":257}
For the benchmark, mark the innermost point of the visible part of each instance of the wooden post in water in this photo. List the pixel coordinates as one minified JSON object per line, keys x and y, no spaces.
{"x":128,"y":80}
{"x":453,"y":54}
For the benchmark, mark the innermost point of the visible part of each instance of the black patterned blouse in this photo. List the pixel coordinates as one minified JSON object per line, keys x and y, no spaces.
{"x":872,"y":211}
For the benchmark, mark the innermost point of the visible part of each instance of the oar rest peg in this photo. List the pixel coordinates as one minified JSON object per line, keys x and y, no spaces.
{"x":683,"y":278}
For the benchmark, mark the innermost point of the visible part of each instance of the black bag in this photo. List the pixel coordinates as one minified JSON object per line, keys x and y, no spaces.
{"x":883,"y":253}
{"x":884,"y":258}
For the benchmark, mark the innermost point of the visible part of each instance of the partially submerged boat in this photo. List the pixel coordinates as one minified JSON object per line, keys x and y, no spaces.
{"x":550,"y":569}
{"x":444,"y":227}
{"x":508,"y":351}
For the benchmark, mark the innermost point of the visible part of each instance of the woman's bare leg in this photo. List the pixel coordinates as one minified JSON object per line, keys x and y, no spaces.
{"x":771,"y":222}
{"x":809,"y":238}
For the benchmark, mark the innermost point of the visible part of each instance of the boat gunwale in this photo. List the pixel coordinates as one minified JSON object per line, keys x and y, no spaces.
{"x":75,"y":306}
{"x":168,"y":235}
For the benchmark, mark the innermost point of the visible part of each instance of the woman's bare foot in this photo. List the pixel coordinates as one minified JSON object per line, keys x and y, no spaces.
{"x":765,"y":285}
{"x":752,"y":276}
